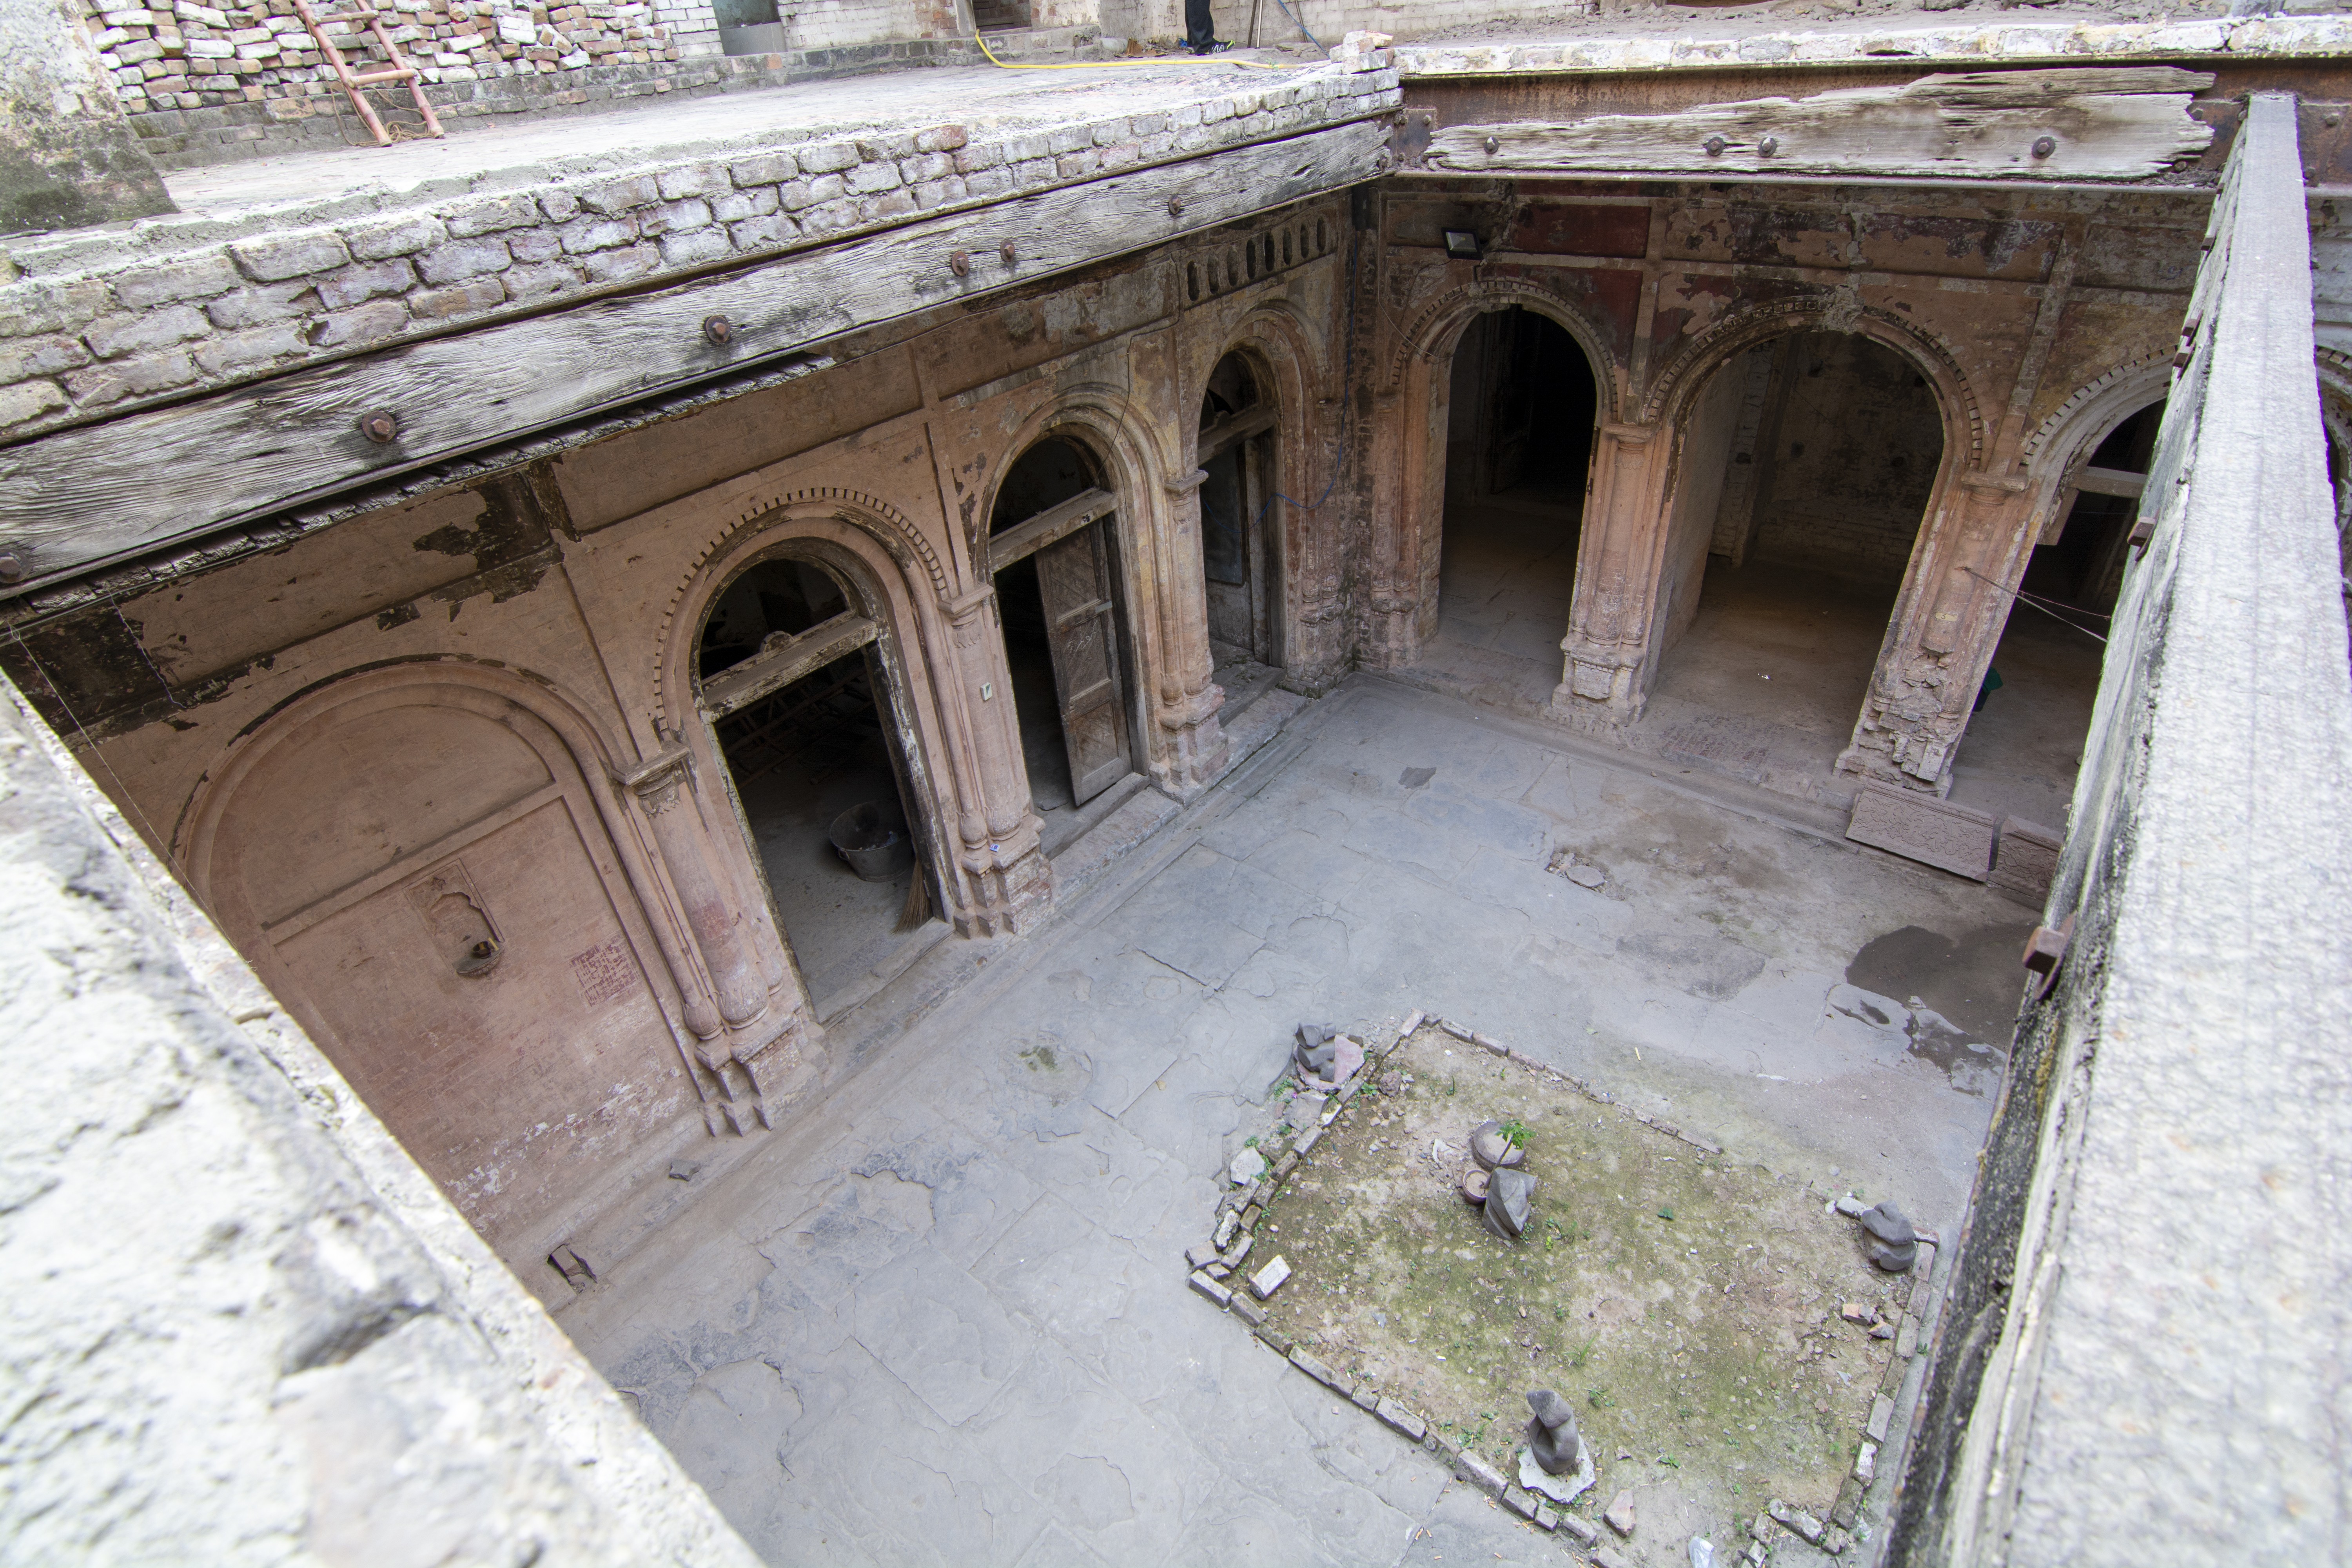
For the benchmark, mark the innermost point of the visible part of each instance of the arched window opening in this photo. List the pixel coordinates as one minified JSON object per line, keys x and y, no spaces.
{"x":800,"y":688}
{"x":1053,"y":551}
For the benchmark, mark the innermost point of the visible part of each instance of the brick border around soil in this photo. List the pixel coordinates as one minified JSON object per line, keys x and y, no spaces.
{"x":1213,"y":1262}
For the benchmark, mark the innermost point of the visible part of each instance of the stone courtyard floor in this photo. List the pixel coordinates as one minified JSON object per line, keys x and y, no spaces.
{"x":942,"y":1316}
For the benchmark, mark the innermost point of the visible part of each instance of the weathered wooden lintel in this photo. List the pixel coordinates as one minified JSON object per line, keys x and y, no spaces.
{"x":2076,"y":124}
{"x":774,"y":667}
{"x":84,"y":497}
{"x":1057,"y":521}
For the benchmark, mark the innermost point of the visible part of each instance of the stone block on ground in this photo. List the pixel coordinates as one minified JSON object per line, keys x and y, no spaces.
{"x":1404,"y":1421}
{"x":1918,"y":827}
{"x":1479,"y":1473}
{"x":1882,"y":1410}
{"x":1268,"y":1279}
{"x":1584,"y":1530}
{"x":1202,"y":1285}
{"x":2025,"y":859}
{"x":1619,"y":1515}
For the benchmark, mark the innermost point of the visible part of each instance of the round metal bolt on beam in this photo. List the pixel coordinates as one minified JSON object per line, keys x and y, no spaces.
{"x":2044,"y":145}
{"x":1175,"y":207}
{"x":12,"y":567}
{"x":718,"y":329}
{"x":1493,"y":146}
{"x":959,"y":263}
{"x":1009,"y":256}
{"x":1767,"y":148}
{"x":1715,"y":146}
{"x":380,"y":425}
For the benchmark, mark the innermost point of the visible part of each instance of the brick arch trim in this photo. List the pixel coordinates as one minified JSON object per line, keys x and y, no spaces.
{"x":1420,"y":339}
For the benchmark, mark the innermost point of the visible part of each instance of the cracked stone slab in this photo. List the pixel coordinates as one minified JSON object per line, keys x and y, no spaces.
{"x":941,"y":1333}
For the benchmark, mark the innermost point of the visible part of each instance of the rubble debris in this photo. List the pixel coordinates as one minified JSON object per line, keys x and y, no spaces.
{"x":1509,"y":1203}
{"x":1894,"y":1245}
{"x":1268,"y":1279}
{"x":1619,"y":1513}
{"x":1491,"y":1147}
{"x":1249,"y":1166}
{"x":1474,"y":1185}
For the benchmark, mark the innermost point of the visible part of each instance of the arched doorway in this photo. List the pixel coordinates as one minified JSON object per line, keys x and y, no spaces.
{"x":2032,"y":708}
{"x":1521,"y":405}
{"x":1803,"y":471}
{"x":794,"y":670}
{"x":1241,"y":525}
{"x":416,"y":860}
{"x":1053,"y":552}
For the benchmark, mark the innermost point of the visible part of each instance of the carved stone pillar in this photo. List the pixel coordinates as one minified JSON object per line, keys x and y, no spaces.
{"x":1004,"y":879}
{"x":752,"y":1037}
{"x":1616,"y":581}
{"x":1392,"y":571}
{"x":1185,"y":701}
{"x":1946,"y":624}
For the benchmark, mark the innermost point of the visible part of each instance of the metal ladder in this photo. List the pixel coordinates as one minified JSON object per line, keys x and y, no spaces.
{"x":398,"y":71}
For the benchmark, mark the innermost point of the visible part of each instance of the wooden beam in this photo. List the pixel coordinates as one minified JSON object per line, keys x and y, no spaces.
{"x":1232,"y":429}
{"x":94,"y":494}
{"x":2118,"y":123}
{"x":1059,"y":521}
{"x":2110,"y":482}
{"x":778,"y":665}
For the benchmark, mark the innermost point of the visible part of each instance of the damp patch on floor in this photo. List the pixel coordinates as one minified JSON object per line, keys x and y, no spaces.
{"x":1698,"y":1313}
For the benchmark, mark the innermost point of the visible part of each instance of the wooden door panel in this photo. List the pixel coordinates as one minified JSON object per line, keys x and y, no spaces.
{"x":1073,"y":579}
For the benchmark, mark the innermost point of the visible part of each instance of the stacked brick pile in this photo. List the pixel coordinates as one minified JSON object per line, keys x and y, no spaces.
{"x":191,"y":55}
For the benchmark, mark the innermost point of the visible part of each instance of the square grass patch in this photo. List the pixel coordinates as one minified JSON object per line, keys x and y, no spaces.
{"x":1687,"y":1306}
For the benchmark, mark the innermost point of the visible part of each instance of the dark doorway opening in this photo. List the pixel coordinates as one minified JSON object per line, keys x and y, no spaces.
{"x":1803,"y":471}
{"x":799,"y":685}
{"x":1052,"y":550}
{"x":1241,"y":522}
{"x":2083,"y":566}
{"x":1518,"y":445}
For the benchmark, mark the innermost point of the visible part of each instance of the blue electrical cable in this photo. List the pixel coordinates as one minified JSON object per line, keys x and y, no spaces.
{"x":1300,"y":26}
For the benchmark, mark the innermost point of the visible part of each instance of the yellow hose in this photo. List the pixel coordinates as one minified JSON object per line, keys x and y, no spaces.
{"x":981,"y":39}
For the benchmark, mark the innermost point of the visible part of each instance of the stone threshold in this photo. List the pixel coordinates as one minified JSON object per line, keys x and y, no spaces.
{"x":1881,"y":1447}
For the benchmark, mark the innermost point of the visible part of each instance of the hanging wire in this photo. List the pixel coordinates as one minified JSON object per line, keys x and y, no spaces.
{"x":2044,"y":605}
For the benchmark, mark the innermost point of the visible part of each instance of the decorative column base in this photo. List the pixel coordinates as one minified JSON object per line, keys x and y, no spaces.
{"x":1598,"y":692}
{"x":1007,"y":886}
{"x":751,"y":1087}
{"x":1196,"y":749}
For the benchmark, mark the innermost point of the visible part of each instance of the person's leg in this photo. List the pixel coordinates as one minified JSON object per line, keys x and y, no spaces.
{"x":1200,"y":26}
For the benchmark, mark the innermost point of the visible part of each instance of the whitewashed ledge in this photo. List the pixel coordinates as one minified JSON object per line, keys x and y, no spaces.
{"x":2259,"y":38}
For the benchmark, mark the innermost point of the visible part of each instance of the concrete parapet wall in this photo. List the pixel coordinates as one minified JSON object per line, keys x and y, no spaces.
{"x":241,"y":1324}
{"x":101,"y":323}
{"x":2144,"y":1357}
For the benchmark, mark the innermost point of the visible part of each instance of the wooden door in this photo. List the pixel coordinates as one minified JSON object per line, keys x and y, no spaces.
{"x":1225,"y":553}
{"x":1074,"y":580}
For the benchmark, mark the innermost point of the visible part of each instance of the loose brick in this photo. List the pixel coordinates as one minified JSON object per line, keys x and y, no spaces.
{"x":593,"y":234}
{"x":613,"y":198}
{"x":694,"y":179}
{"x":759,"y":233}
{"x":340,"y":291}
{"x":28,"y":400}
{"x":463,"y":258}
{"x":827,"y":157}
{"x":619,"y":265}
{"x":673,"y":218}
{"x":242,"y":350}
{"x":197,"y":277}
{"x":771,"y":169}
{"x":489,"y":215}
{"x":370,"y":323}
{"x":462,"y":299}
{"x":275,"y":257}
{"x":118,"y":336}
{"x":697,"y":244}
{"x":403,"y":235}
{"x":540,"y":282}
{"x":103,"y":383}
{"x":29,"y":357}
{"x":253,"y":306}
{"x":1404,"y":1420}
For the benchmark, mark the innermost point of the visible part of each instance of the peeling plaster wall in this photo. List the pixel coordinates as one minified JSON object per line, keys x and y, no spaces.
{"x":242,"y":1324}
{"x":439,"y":709}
